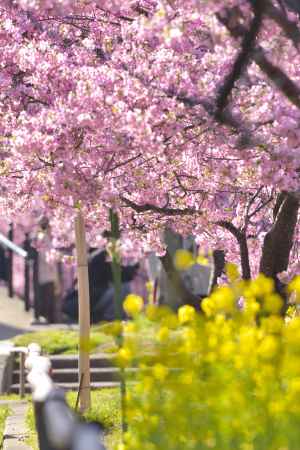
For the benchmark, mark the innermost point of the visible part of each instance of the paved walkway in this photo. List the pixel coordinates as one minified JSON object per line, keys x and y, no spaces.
{"x":16,"y":431}
{"x":13,"y":318}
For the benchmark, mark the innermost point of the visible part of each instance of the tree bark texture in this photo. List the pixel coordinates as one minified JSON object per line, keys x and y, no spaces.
{"x":279,"y":240}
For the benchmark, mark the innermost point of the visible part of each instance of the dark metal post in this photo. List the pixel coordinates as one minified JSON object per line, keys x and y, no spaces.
{"x":10,"y":264}
{"x":36,"y":301}
{"x":22,"y":375}
{"x":27,"y":273}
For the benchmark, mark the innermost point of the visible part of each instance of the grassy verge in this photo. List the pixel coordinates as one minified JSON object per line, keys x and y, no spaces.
{"x":105,"y":409}
{"x":55,"y":342}
{"x":32,"y":440}
{"x":4,"y":412}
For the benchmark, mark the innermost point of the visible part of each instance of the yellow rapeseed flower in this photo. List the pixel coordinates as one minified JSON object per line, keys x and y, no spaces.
{"x":232,"y":272}
{"x":133,"y":305}
{"x":160,"y":371}
{"x":273,"y":303}
{"x":183,"y":259}
{"x":268,"y":347}
{"x":124,"y":357}
{"x":186,"y":314}
{"x":261,"y":286}
{"x":224,"y":299}
{"x":202,"y":260}
{"x":163,"y":334}
{"x":152,"y":312}
{"x":208,"y":306}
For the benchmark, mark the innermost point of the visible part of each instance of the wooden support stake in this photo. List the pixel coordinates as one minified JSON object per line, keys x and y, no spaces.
{"x":84,"y":313}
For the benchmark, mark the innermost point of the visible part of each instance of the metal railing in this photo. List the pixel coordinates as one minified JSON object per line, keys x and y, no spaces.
{"x":29,"y":265}
{"x":12,"y":246}
{"x":58,"y":427}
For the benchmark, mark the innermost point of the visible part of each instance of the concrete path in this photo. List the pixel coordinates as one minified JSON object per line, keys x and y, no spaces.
{"x":16,"y":432}
{"x":13,"y":318}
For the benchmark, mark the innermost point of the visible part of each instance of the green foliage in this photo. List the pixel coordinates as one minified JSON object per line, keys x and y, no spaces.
{"x":54,"y":342}
{"x":227,"y":379}
{"x":4,"y":413}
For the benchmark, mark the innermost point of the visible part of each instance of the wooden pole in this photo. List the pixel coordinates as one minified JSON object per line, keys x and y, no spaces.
{"x":84,"y":313}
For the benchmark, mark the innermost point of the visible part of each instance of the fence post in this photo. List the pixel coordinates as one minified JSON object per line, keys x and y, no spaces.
{"x":10,"y":264}
{"x":35,"y":276}
{"x":27,"y":273}
{"x":22,"y":375}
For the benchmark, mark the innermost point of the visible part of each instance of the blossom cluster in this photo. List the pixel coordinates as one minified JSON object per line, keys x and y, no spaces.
{"x":108,"y":104}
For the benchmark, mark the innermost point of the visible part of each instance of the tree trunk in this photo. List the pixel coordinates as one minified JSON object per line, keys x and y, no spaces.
{"x":177,"y":283}
{"x":279,"y":240}
{"x":243,"y":245}
{"x":219,"y":265}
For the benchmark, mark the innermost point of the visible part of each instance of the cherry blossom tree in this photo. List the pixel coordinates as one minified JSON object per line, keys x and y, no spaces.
{"x":175,"y":113}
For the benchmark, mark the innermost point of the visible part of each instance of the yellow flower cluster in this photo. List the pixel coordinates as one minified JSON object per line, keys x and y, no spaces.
{"x":225,"y":379}
{"x":184,"y":259}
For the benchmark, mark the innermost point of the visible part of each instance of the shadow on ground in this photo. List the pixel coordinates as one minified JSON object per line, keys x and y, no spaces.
{"x":8,"y":332}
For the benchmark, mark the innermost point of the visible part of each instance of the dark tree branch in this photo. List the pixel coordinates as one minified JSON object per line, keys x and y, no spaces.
{"x":148,"y":207}
{"x":280,"y":17}
{"x":242,"y":241}
{"x":242,"y":59}
{"x":274,"y":73}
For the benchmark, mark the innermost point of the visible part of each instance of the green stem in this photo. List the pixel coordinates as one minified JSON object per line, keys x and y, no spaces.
{"x":116,"y":266}
{"x":117,"y":282}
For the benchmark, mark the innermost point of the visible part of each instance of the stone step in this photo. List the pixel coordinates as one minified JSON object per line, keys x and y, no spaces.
{"x":14,"y":389}
{"x":71,"y":361}
{"x":71,"y":375}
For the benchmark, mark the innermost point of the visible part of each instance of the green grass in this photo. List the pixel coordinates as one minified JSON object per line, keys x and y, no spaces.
{"x":105,"y":409}
{"x":55,"y":342}
{"x":15,"y":397}
{"x":4,"y":413}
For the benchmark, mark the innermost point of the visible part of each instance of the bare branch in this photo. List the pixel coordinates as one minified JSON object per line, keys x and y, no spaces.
{"x":148,"y":207}
{"x":274,"y":73}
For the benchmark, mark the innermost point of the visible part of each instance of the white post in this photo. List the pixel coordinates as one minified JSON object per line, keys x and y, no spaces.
{"x":84,"y":314}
